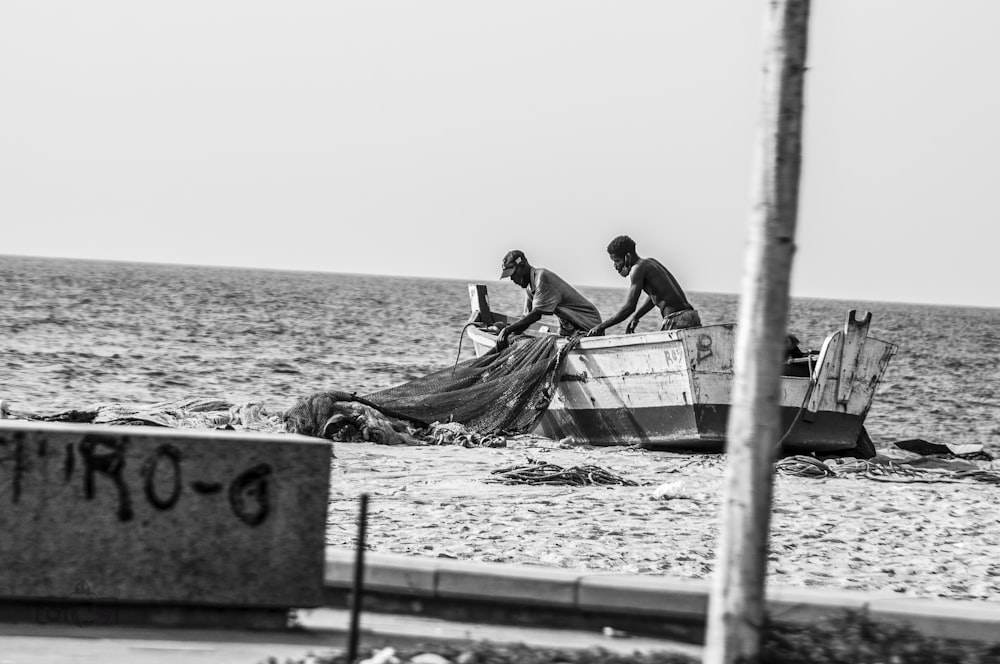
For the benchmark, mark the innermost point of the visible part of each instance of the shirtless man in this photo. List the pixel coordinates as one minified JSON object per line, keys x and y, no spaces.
{"x":546,"y":293}
{"x":647,"y":275}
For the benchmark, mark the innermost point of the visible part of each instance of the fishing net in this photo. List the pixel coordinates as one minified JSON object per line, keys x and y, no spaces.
{"x":501,"y":393}
{"x":541,"y":472}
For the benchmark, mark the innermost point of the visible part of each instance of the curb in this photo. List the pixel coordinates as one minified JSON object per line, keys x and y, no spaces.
{"x":415,"y":584}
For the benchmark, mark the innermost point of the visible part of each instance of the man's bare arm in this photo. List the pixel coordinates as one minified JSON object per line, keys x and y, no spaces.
{"x":643,"y":309}
{"x":631,"y":300}
{"x":517,"y":327}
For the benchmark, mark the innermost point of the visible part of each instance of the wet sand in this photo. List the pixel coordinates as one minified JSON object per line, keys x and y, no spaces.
{"x":914,"y":539}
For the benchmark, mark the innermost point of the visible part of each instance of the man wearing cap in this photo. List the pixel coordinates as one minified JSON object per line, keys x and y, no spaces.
{"x":647,"y":275}
{"x":546,"y":293}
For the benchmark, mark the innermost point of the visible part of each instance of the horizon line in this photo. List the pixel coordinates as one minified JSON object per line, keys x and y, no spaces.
{"x":452,"y":278}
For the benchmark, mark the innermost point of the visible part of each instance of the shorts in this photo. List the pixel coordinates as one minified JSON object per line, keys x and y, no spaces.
{"x":568,"y":329}
{"x":681,"y":320}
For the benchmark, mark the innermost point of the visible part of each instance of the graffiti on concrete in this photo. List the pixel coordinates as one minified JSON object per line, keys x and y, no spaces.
{"x":248,"y":495}
{"x":106,"y":456}
{"x":103,"y":464}
{"x":171,"y":456}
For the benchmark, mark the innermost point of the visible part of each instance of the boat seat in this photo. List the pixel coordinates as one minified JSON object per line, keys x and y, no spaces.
{"x":800,"y":366}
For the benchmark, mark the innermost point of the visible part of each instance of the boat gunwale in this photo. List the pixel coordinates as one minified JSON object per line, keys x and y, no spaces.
{"x":621,"y":340}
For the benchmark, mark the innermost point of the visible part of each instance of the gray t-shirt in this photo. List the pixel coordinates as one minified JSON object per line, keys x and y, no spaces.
{"x":549,"y":294}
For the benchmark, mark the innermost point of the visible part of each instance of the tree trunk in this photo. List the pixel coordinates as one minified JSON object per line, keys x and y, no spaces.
{"x":736,"y":610}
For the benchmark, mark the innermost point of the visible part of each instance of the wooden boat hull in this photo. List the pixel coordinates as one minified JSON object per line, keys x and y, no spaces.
{"x":696,"y":428}
{"x":672,"y":390}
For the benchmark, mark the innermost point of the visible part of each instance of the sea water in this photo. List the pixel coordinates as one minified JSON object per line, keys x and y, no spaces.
{"x":76,"y":332}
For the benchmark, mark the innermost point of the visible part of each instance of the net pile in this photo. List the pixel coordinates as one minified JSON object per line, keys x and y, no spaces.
{"x":454,"y":433}
{"x":348,"y":418}
{"x":540,"y":472}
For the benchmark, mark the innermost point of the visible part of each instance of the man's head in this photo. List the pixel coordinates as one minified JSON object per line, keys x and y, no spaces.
{"x":622,"y":253}
{"x":516,"y":266}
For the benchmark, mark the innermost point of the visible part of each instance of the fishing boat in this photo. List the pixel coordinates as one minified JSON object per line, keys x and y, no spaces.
{"x":672,"y":390}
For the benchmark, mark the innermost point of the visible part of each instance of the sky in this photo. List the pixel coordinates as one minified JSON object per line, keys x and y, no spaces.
{"x":428,"y":138}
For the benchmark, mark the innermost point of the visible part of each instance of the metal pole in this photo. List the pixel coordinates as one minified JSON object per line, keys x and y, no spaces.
{"x":357,"y":591}
{"x":736,"y":609}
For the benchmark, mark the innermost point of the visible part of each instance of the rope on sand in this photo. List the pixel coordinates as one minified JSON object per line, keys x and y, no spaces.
{"x":979,"y":476}
{"x":540,"y":472}
{"x":453,"y":433}
{"x":803,"y":466}
{"x":885,"y":470}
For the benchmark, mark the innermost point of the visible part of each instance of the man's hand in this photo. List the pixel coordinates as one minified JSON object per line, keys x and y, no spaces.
{"x":632,"y":323}
{"x":595,"y":331}
{"x":503,"y":338}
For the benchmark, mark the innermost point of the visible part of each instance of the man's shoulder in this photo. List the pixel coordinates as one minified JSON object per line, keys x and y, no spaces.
{"x":550,"y":283}
{"x":544,"y":275}
{"x":649,"y":261}
{"x":647,"y":265}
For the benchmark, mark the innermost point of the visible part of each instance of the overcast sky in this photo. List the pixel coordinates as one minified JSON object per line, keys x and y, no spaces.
{"x":429,"y":137}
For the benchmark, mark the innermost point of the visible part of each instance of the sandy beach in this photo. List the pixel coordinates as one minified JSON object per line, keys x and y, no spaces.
{"x":917,"y":539}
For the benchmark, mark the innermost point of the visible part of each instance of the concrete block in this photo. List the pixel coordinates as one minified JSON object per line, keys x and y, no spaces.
{"x":143,"y":514}
{"x":493,"y":582}
{"x":384,"y":572}
{"x":955,"y":619}
{"x":807,"y":605}
{"x":644,"y":595}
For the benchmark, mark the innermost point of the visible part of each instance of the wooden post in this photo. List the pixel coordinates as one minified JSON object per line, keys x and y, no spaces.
{"x":357,"y":590}
{"x":736,"y":609}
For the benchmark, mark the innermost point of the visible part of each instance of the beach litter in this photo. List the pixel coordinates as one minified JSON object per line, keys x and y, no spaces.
{"x":676,"y":491}
{"x":968,"y":451}
{"x":383,"y":656}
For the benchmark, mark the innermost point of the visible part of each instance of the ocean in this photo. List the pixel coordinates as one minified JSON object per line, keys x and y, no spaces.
{"x":78,"y":332}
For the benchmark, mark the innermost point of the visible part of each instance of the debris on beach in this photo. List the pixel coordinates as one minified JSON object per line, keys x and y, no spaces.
{"x":677,"y":491}
{"x":885,"y":469}
{"x":382,"y":656}
{"x":541,"y":472}
{"x":186,"y":413}
{"x":970,"y":451}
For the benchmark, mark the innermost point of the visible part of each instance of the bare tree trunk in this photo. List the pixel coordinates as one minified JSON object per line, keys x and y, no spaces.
{"x":736,"y":610}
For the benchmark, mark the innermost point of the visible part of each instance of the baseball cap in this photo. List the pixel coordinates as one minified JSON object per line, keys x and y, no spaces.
{"x":510,"y":261}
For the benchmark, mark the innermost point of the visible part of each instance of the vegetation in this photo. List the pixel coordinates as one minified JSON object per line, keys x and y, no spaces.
{"x":852,"y":638}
